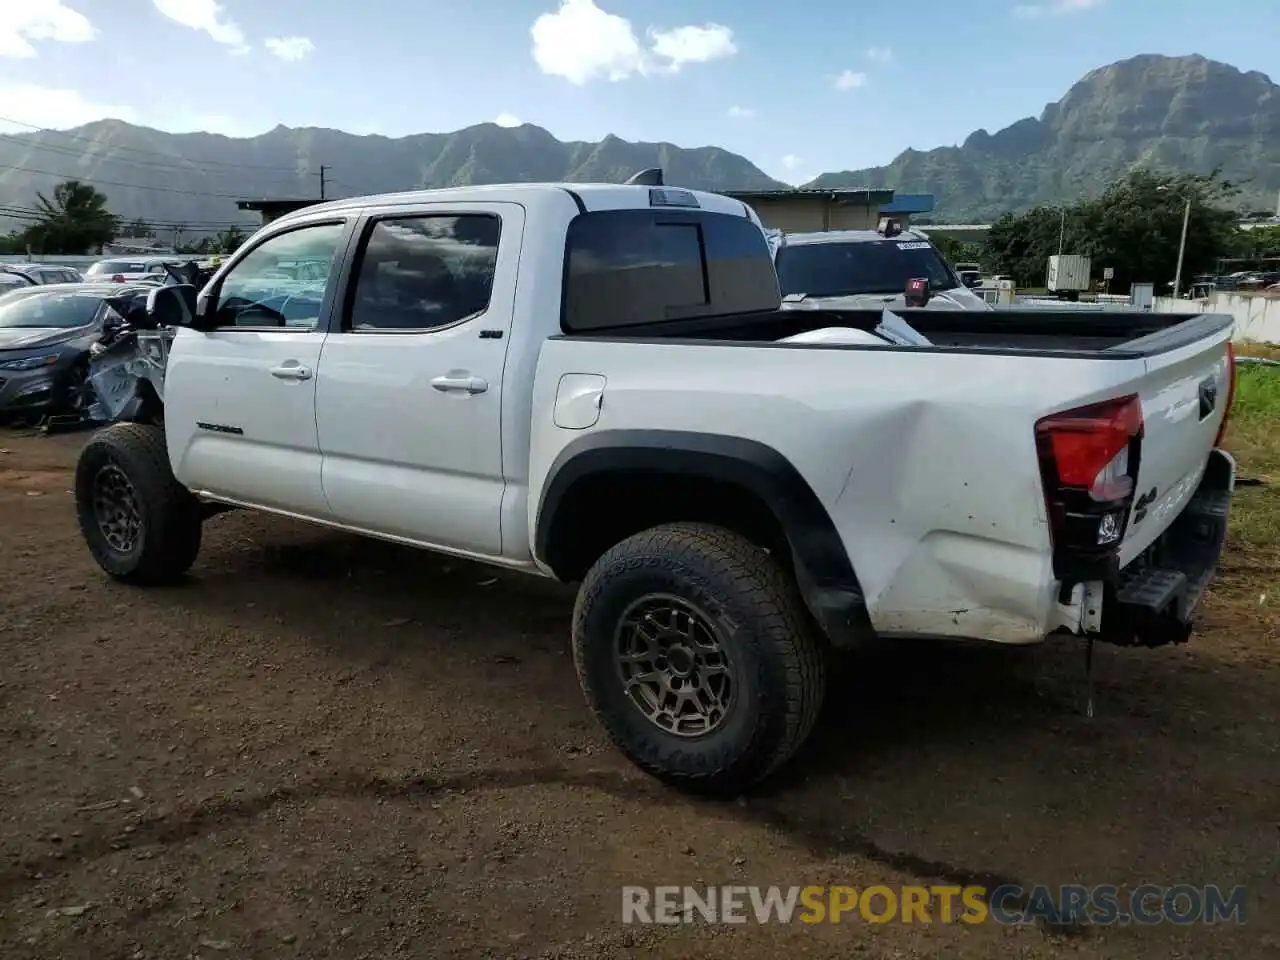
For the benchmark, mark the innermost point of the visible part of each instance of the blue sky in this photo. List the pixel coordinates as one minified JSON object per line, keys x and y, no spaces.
{"x":799,"y":89}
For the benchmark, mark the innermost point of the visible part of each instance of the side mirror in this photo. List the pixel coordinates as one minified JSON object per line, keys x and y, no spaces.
{"x":917,"y":292}
{"x":172,"y":306}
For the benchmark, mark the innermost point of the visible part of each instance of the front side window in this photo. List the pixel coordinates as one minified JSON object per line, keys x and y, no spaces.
{"x":258,"y":293}
{"x":851,"y":268}
{"x":424,"y":273}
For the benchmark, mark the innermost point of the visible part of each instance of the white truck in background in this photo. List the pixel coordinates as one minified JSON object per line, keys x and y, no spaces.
{"x":869,"y":269}
{"x":596,"y":383}
{"x":1069,"y":275}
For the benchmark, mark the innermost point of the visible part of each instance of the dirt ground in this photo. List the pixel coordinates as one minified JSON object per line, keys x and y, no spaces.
{"x":327,"y":747}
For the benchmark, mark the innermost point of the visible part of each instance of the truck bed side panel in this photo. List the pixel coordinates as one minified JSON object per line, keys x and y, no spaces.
{"x":1184,"y":397}
{"x":926,"y":462}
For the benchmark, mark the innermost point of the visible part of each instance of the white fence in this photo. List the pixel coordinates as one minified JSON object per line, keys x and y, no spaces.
{"x":1257,"y":318}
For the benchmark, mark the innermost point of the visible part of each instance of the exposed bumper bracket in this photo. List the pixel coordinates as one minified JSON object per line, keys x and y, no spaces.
{"x":1155,"y":597}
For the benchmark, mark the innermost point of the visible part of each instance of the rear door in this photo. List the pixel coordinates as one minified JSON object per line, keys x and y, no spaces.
{"x":240,"y":399}
{"x":1184,"y":395}
{"x":409,"y":404}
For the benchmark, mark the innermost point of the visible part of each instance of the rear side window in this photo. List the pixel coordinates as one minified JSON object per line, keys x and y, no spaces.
{"x":624,"y":268}
{"x":426,"y":272}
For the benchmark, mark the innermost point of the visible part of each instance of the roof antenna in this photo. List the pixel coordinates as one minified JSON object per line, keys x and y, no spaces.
{"x":651,"y":177}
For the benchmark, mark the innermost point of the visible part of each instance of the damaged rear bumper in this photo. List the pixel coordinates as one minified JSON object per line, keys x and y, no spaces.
{"x":1153,"y":601}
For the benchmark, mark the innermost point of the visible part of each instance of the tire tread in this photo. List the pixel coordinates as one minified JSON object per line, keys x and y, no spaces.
{"x":781,"y":621}
{"x":171,"y":514}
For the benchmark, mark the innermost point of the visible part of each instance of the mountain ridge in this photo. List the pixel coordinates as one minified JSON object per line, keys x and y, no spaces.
{"x":148,"y":174}
{"x":1182,"y":114}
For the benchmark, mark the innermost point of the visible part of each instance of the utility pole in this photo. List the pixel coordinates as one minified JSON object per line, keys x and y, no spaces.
{"x":1182,"y":249}
{"x":1062,"y":227}
{"x":323,"y":170}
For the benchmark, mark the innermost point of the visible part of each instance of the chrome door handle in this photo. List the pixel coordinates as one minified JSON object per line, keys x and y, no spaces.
{"x":291,"y":372}
{"x":460,"y":384}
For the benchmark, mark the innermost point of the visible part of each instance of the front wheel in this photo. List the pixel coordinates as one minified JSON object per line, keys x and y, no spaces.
{"x":140,"y":524}
{"x":696,"y":655}
{"x":77,"y":392}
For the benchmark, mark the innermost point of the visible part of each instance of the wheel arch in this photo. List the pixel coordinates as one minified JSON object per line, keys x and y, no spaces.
{"x":608,"y":485}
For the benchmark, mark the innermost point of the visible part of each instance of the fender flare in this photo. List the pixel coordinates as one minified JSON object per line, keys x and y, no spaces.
{"x":824,"y":574}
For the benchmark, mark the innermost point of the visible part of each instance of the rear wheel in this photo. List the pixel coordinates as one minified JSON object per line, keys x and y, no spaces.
{"x":697,"y":656}
{"x":139,"y":523}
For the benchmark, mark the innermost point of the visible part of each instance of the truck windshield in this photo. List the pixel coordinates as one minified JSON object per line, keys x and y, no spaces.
{"x":845,"y":269}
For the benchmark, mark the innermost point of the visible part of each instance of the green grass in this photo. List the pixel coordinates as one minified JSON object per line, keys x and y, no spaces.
{"x":1252,"y":560}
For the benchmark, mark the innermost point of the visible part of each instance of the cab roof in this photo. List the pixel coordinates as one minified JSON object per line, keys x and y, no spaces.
{"x":848,"y":236}
{"x":595,"y":196}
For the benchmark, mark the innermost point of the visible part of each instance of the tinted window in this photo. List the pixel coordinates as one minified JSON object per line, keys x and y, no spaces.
{"x":631,"y":267}
{"x":41,"y":310}
{"x":257,"y":293}
{"x":856,"y":267}
{"x":422,"y":273}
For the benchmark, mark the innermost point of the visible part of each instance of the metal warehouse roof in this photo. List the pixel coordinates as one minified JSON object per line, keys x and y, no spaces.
{"x":841,"y":195}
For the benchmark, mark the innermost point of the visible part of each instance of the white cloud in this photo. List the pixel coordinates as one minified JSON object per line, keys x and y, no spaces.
{"x":49,"y":107}
{"x":580,"y":42}
{"x":207,"y":16}
{"x":684,"y":45}
{"x":28,"y":20}
{"x":741,"y":113}
{"x":880,"y":54}
{"x":508,"y":120}
{"x":1056,"y":8}
{"x":850,"y":80}
{"x":791,"y":162}
{"x":290,"y":49}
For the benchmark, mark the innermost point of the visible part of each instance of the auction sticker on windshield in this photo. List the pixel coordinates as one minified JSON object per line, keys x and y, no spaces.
{"x":914,"y":245}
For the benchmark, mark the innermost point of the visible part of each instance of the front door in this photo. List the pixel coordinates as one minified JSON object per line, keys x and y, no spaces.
{"x":409,"y":407}
{"x":240,"y":399}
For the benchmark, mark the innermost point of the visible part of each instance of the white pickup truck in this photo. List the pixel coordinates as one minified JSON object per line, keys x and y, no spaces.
{"x":595,"y":383}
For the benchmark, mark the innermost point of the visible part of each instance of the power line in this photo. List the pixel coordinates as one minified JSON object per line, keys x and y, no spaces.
{"x":156,"y":153}
{"x":142,"y":164}
{"x":29,"y":214}
{"x":116,"y":183}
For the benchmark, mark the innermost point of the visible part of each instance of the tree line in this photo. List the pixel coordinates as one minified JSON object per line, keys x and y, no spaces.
{"x":74,"y":220}
{"x":1134,"y":227}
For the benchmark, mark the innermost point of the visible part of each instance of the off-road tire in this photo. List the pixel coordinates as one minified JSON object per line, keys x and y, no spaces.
{"x":169,"y":516}
{"x":779,"y":657}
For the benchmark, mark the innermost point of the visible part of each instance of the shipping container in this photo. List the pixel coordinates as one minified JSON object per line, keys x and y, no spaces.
{"x":1068,"y":273}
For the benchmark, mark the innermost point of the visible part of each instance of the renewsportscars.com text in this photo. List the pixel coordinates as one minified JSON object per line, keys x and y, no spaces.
{"x":1007,"y":905}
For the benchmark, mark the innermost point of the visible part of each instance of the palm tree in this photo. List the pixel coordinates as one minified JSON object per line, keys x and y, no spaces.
{"x":73,"y":221}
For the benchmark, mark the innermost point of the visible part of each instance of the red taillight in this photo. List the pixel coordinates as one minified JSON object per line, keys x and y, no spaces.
{"x":1090,"y":446}
{"x":1231,"y":394}
{"x":1089,"y":465}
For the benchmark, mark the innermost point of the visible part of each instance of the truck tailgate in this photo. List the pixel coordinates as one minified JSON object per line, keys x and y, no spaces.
{"x":1184,"y":396}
